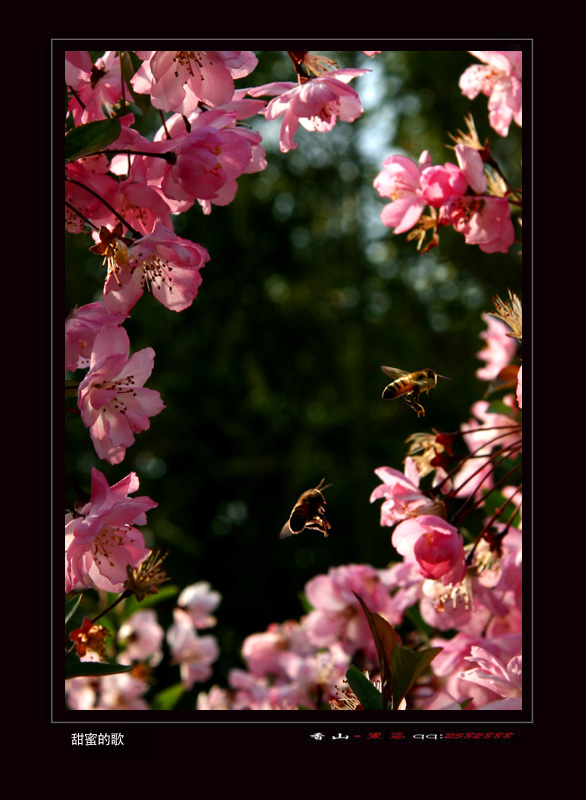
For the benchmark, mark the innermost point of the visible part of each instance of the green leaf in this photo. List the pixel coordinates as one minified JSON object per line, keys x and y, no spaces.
{"x":408,"y":665}
{"x":74,"y":668}
{"x":168,"y":698}
{"x":71,"y":388}
{"x":385,"y":639}
{"x":369,"y":696}
{"x":90,"y":138}
{"x":498,"y":407}
{"x":71,"y":607}
{"x":413,"y":614}
{"x":305,"y":604}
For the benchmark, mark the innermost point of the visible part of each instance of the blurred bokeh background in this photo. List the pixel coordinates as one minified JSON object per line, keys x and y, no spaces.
{"x":272,"y":378}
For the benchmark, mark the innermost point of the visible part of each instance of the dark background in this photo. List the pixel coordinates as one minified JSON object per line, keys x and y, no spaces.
{"x":272,"y":380}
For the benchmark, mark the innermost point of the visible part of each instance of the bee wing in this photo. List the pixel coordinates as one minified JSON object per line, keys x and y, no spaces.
{"x":286,"y":531}
{"x":295,"y":524}
{"x":394,"y":373}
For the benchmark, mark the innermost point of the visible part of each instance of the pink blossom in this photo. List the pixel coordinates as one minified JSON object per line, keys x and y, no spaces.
{"x":500,"y":79}
{"x":255,"y":693}
{"x":262,"y":651}
{"x":78,"y":66}
{"x":484,"y":433}
{"x":141,"y":203}
{"x":499,"y":350}
{"x":168,"y":265}
{"x":491,"y":430}
{"x":178,"y":80}
{"x":485,"y":221}
{"x":440,"y":183}
{"x":405,"y":581}
{"x":113,"y":403}
{"x":403,"y":497}
{"x":90,"y":172}
{"x":371,"y":52}
{"x":317,"y":673}
{"x":446,"y":606}
{"x":98,"y":88}
{"x":81,"y":693}
{"x":440,"y":552}
{"x":519,"y":388}
{"x":474,"y":476}
{"x":457,"y":600}
{"x":449,"y":665}
{"x":284,"y":655}
{"x":472,"y":167}
{"x":217,"y":699}
{"x":143,"y":637}
{"x":81,"y":327}
{"x":198,"y":600}
{"x":256,"y":163}
{"x":101,"y":540}
{"x":311,"y":666}
{"x":400,"y":180}
{"x":436,"y":545}
{"x":213,"y":154}
{"x":206,"y":160}
{"x":441,"y":701}
{"x":337,"y":614}
{"x":92,"y":190}
{"x":316,"y":104}
{"x":503,"y":678}
{"x":250,"y":692}
{"x":194,"y":653}
{"x":122,"y":692}
{"x":487,"y":603}
{"x":242,"y":106}
{"x":504,"y":588}
{"x":286,"y":671}
{"x":506,"y":704}
{"x":129,"y":139}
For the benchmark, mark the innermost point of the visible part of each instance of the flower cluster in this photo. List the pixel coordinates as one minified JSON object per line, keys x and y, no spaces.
{"x":125,"y":189}
{"x":464,"y":581}
{"x":315,"y":104}
{"x":140,"y":645}
{"x":472,"y":585}
{"x":458,"y":196}
{"x":194,"y":653}
{"x":100,"y":537}
{"x":500,"y":78}
{"x":301,"y":664}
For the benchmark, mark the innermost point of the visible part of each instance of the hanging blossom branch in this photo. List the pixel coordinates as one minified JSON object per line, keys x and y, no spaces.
{"x":197,"y":157}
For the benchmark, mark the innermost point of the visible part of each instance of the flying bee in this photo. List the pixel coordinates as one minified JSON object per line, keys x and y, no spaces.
{"x":410,"y":385}
{"x":309,"y":512}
